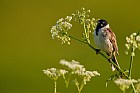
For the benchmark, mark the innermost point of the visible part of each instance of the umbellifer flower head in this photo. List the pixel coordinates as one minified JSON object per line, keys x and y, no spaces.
{"x":59,"y":30}
{"x":54,"y":73}
{"x":79,"y":70}
{"x":74,"y":65}
{"x":124,"y":83}
{"x":138,"y":86}
{"x":133,"y":41}
{"x":89,"y":74}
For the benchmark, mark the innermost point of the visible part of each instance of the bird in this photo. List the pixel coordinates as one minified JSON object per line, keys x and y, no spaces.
{"x":105,"y":40}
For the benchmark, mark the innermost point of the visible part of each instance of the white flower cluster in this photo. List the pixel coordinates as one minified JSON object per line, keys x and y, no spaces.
{"x":138,"y":86}
{"x":74,"y":65}
{"x":60,"y":29}
{"x":79,"y":70}
{"x":76,"y":69}
{"x":54,"y":73}
{"x":81,"y":15}
{"x":89,"y":74}
{"x":133,"y":41}
{"x":83,"y":18}
{"x":124,"y":83}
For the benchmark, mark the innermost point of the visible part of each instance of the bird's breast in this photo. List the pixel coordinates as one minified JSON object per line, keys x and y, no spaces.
{"x":103,"y":42}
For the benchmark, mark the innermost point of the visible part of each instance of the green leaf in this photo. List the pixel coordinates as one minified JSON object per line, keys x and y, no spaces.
{"x":111,"y":78}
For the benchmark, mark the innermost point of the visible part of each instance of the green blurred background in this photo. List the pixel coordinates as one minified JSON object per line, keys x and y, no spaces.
{"x":26,"y":46}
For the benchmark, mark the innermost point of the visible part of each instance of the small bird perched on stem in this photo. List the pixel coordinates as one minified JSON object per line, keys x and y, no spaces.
{"x":105,"y":40}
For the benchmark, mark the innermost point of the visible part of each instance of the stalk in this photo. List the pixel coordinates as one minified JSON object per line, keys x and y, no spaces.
{"x":55,"y":86}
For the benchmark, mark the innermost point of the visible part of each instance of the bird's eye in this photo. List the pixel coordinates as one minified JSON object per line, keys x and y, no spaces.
{"x":101,"y":24}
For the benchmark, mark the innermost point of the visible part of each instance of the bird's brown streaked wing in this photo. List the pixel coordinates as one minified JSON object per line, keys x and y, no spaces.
{"x":112,"y":38}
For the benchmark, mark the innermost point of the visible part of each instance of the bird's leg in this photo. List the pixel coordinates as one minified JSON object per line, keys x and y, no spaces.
{"x":110,"y":59}
{"x":97,"y":51}
{"x":109,"y":54}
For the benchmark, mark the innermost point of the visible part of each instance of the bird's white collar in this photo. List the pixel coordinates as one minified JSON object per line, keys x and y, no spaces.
{"x":107,"y":26}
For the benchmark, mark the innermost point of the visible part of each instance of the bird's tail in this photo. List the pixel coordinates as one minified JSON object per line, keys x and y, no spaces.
{"x":114,"y":59}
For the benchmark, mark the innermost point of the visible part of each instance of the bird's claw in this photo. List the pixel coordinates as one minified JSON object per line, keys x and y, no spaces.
{"x":97,"y":51}
{"x":109,"y":60}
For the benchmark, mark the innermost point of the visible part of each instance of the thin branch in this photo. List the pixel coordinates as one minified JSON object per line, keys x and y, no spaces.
{"x":130,"y":69}
{"x":81,"y":86}
{"x":133,"y":87}
{"x":131,"y":62}
{"x":55,"y":86}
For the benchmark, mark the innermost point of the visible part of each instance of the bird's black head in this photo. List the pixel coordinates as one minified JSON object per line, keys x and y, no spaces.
{"x":101,"y":23}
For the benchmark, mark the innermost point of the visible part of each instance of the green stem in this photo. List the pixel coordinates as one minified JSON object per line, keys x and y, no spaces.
{"x":67,"y":80}
{"x":124,"y":91}
{"x":85,"y":30}
{"x":81,"y":86}
{"x":131,"y":62}
{"x":77,"y":85}
{"x":133,"y":87}
{"x":130,"y":69}
{"x":77,"y":39}
{"x":55,"y":86}
{"x":86,"y":33}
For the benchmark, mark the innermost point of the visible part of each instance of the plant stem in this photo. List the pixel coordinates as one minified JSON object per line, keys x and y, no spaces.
{"x":133,"y":87}
{"x":55,"y":86}
{"x":86,"y":33}
{"x":81,"y":86}
{"x":77,"y":85}
{"x":85,"y":30}
{"x":67,"y":80}
{"x":131,"y":62}
{"x":130,"y":67}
